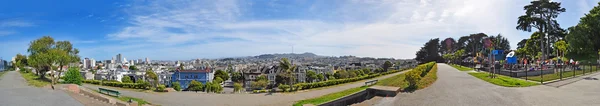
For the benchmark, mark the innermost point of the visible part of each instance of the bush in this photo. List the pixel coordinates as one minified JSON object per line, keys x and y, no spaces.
{"x":414,"y":76}
{"x":72,"y":76}
{"x":284,"y":88}
{"x":126,"y":79}
{"x":260,"y":91}
{"x":237,"y":87}
{"x":177,"y":86}
{"x":161,"y":88}
{"x":195,"y":86}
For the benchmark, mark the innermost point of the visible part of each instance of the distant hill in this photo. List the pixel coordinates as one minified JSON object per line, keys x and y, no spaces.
{"x":287,"y":55}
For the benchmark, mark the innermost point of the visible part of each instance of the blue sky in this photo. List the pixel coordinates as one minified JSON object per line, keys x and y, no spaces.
{"x":175,"y":30}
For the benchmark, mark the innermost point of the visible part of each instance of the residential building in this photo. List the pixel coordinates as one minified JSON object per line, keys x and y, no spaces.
{"x":250,"y":74}
{"x":184,"y":77}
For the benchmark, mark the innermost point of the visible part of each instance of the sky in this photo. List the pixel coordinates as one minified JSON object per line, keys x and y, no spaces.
{"x":189,"y":29}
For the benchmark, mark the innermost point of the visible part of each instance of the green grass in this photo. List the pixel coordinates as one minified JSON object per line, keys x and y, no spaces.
{"x":35,"y":80}
{"x":126,"y":99}
{"x":567,"y":74}
{"x":330,"y":97}
{"x":2,"y":73}
{"x":395,"y":81}
{"x":502,"y":80}
{"x":461,"y":68}
{"x":140,"y":101}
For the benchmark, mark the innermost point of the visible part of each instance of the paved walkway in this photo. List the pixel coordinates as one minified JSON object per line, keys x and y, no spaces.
{"x":208,"y":99}
{"x":456,"y":88}
{"x":15,"y":92}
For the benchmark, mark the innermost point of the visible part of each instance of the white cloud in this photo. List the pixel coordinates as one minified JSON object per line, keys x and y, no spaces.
{"x":4,"y":33}
{"x":386,"y":28}
{"x":15,"y":23}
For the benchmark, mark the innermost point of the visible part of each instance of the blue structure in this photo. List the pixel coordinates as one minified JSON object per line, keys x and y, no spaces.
{"x":184,"y":77}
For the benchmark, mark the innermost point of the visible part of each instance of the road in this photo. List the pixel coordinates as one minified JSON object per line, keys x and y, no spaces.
{"x":208,"y":99}
{"x":15,"y":92}
{"x":456,"y":88}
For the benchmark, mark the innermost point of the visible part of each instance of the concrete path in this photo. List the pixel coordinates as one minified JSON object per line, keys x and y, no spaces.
{"x":456,"y":88}
{"x":208,"y":99}
{"x":14,"y":91}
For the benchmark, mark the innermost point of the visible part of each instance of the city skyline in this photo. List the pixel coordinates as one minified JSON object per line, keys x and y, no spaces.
{"x":219,"y":29}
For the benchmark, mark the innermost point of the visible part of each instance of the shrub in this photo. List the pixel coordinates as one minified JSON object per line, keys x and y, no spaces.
{"x":284,"y":88}
{"x":126,"y":79}
{"x":161,"y":88}
{"x":237,"y":87}
{"x":72,"y":76}
{"x":260,"y":91}
{"x":177,"y":86}
{"x":195,"y":86}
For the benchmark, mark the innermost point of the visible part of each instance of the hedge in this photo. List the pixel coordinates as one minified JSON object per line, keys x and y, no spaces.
{"x":415,"y":75}
{"x":142,"y":85}
{"x":301,"y":86}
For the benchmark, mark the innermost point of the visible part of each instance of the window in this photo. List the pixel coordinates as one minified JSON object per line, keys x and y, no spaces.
{"x":186,"y":77}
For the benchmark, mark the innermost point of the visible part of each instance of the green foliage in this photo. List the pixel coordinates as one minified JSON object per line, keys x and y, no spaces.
{"x":237,"y":77}
{"x":161,"y":88}
{"x":140,"y":102}
{"x":133,"y":68}
{"x":330,"y":97}
{"x":321,"y":77}
{"x":284,"y":88}
{"x":195,"y":86}
{"x":387,"y":65}
{"x":414,"y":76}
{"x":259,"y":84}
{"x":176,"y":86}
{"x":46,"y":53}
{"x":503,"y":80}
{"x":73,"y":76}
{"x":584,"y":38}
{"x":461,"y":68}
{"x":221,"y":74}
{"x":213,"y":87}
{"x":260,"y":91}
{"x":139,"y":85}
{"x":429,"y":52}
{"x":311,"y":75}
{"x":218,"y":80}
{"x":262,"y":78}
{"x":126,"y":79}
{"x":151,"y":76}
{"x":237,"y":87}
{"x":34,"y":80}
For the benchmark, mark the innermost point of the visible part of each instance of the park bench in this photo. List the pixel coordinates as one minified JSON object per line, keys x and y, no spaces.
{"x":109,"y":92}
{"x":370,"y":82}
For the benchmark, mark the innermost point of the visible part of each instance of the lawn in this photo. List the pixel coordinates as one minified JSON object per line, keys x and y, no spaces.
{"x":567,"y":74}
{"x":502,"y":80}
{"x":35,"y":80}
{"x":330,"y":97}
{"x":395,"y":81}
{"x":461,"y":68}
{"x":2,"y":73}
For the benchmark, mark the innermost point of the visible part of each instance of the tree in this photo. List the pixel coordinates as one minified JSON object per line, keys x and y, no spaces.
{"x":260,"y":84}
{"x":133,"y":68}
{"x":45,"y":54}
{"x":126,"y":79}
{"x":522,"y":43}
{"x":237,"y":87}
{"x":447,"y":45}
{"x":237,"y":77}
{"x":311,"y":75}
{"x":584,"y":38}
{"x":222,"y":74}
{"x":321,"y":77}
{"x":177,"y":86}
{"x":541,"y":15}
{"x":387,"y":65}
{"x":429,"y":52}
{"x":288,"y":71}
{"x":20,"y":61}
{"x":262,"y":78}
{"x":152,"y":77}
{"x":218,"y":80}
{"x":73,"y":76}
{"x":195,"y":86}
